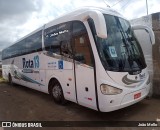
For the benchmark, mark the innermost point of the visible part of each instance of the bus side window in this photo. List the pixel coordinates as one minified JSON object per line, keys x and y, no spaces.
{"x":65,"y":49}
{"x":82,"y":47}
{"x":57,"y":39}
{"x":65,"y":39}
{"x":51,"y":40}
{"x":32,"y":44}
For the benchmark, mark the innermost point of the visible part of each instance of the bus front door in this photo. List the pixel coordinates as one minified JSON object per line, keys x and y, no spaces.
{"x":84,"y":68}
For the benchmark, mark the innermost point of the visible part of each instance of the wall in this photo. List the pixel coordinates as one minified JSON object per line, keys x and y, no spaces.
{"x":156,"y":53}
{"x":153,"y":61}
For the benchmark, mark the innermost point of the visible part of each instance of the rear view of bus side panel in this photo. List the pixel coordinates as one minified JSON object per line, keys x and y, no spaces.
{"x":24,"y":70}
{"x":58,"y":58}
{"x":63,"y":71}
{"x":5,"y":68}
{"x":29,"y":70}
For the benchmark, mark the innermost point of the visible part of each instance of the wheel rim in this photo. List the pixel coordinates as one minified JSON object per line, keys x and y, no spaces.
{"x":56,"y":91}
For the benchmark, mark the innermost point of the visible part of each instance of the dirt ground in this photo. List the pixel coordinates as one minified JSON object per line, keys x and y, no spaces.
{"x":18,"y":103}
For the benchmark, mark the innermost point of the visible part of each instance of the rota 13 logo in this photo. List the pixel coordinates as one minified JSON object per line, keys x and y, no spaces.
{"x":31,"y":63}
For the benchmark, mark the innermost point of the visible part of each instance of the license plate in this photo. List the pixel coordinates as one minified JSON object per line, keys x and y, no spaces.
{"x":137,"y":95}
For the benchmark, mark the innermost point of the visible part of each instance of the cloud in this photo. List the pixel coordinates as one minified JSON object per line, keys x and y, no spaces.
{"x":20,"y":17}
{"x":132,"y":9}
{"x":13,"y":14}
{"x":16,"y":11}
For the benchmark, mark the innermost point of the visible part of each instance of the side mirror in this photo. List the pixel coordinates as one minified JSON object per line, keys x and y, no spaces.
{"x":148,"y":30}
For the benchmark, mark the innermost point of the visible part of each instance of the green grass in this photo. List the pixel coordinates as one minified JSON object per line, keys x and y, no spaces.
{"x":2,"y":80}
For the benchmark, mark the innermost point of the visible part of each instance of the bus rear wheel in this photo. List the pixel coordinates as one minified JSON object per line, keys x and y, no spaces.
{"x":57,"y":92}
{"x":10,"y":79}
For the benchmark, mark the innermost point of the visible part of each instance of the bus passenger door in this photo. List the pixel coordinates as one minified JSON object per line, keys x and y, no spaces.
{"x":84,"y":68}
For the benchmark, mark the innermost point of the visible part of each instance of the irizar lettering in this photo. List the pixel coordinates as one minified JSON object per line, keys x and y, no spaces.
{"x":27,"y":64}
{"x":31,"y":63}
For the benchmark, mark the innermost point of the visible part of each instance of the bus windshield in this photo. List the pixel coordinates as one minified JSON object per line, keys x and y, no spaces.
{"x":120,"y":51}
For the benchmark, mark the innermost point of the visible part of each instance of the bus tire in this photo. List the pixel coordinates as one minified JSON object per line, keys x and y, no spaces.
{"x":56,"y":92}
{"x":10,"y":79}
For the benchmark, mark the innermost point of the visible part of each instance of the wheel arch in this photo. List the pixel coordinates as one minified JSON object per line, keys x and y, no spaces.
{"x":50,"y":80}
{"x":49,"y":87}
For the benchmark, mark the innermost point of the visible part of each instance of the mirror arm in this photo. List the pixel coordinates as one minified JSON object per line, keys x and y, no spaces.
{"x":99,"y":21}
{"x":147,"y":29}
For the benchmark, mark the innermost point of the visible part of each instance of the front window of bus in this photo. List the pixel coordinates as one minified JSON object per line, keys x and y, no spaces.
{"x":120,"y":51}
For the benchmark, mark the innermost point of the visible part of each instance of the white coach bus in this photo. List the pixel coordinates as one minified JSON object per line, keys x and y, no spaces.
{"x":89,"y":56}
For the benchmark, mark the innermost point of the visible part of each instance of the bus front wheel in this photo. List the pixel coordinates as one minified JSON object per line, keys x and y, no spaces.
{"x":57,"y":92}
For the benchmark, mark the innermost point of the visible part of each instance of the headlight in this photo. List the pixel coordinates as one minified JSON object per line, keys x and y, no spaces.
{"x":109,"y":90}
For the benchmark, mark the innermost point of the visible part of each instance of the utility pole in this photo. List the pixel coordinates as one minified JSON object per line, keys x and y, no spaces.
{"x":147,"y":6}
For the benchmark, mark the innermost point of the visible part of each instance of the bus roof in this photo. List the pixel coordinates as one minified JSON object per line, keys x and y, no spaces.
{"x":75,"y":13}
{"x":70,"y":16}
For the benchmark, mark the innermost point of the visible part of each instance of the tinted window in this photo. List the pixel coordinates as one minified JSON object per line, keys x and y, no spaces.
{"x":28,"y":45}
{"x":19,"y":48}
{"x":120,"y":51}
{"x":82,"y":47}
{"x":57,"y":39}
{"x":14,"y":50}
{"x":78,"y":28}
{"x":33,"y":43}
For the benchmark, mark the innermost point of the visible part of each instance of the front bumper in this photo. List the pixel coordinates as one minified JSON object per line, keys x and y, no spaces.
{"x":124,"y":101}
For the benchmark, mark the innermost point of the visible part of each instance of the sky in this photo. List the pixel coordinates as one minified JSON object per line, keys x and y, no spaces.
{"x":20,"y":17}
